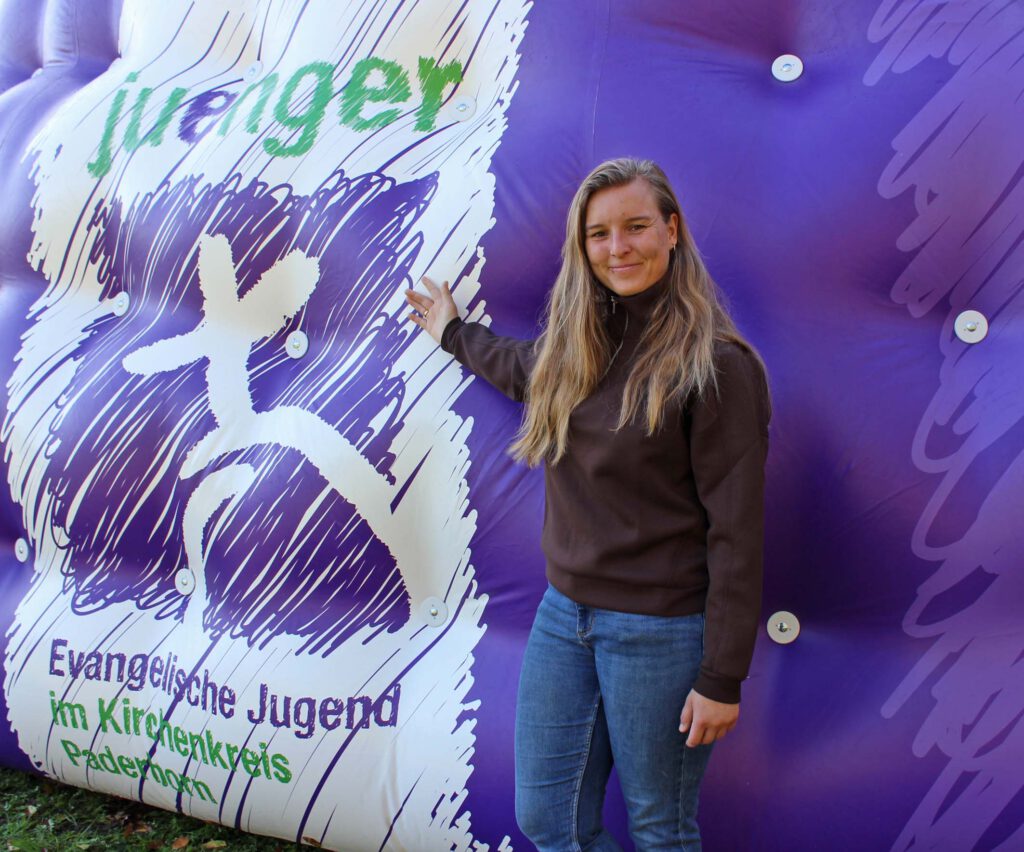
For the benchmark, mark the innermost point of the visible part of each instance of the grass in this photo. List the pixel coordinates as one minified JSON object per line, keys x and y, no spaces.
{"x":38,"y":815}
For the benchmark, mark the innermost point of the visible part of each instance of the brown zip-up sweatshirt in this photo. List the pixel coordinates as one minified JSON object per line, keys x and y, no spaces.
{"x":669,"y":524}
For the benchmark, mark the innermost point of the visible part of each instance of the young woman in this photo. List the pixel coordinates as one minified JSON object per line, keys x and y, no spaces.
{"x":650,"y":415}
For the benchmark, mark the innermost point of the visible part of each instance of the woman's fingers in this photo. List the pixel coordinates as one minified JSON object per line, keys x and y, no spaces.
{"x":686,"y":717}
{"x":424,"y":303}
{"x":418,"y":301}
{"x":433,"y":289}
{"x":440,"y":295}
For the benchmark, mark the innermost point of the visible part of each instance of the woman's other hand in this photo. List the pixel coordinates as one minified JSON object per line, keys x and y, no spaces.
{"x":432,"y":312}
{"x":706,"y":720}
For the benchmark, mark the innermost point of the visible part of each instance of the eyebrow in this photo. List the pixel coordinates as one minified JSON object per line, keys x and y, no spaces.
{"x":630,"y":219}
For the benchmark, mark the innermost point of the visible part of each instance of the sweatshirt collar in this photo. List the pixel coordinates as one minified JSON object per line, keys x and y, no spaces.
{"x":637,"y":306}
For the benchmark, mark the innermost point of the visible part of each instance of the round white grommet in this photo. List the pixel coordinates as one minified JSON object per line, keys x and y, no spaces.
{"x":120,"y":304}
{"x":296,"y":344}
{"x":21,"y":552}
{"x":463,"y":108}
{"x":434,"y":611}
{"x":252,"y":73}
{"x":971,"y":326}
{"x":783,"y":627}
{"x":185,"y":581}
{"x":787,"y":67}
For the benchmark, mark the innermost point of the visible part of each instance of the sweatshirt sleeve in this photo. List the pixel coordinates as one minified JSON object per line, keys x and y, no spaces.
{"x":728,"y":447}
{"x":505,"y":362}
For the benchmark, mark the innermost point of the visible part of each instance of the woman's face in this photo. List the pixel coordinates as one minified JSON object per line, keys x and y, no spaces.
{"x":627,"y":241}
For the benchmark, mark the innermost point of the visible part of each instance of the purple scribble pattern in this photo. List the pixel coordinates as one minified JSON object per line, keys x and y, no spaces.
{"x":962,"y":157}
{"x":133,"y":432}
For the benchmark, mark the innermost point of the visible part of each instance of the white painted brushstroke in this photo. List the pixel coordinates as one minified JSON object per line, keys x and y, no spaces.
{"x":414,"y":775}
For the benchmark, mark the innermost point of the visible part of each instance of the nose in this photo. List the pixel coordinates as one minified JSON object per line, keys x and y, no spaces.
{"x":619,"y":243}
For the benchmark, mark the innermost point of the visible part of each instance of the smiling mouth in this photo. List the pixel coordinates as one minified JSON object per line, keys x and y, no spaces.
{"x":623,"y":268}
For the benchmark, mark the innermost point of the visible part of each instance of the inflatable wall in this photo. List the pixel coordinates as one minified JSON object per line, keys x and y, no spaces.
{"x":264,"y":558}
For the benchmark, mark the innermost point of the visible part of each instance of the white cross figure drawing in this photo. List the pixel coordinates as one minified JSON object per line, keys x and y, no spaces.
{"x":224,"y":338}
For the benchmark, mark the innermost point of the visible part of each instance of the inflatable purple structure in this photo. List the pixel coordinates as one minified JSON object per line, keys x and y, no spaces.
{"x":264,"y":558}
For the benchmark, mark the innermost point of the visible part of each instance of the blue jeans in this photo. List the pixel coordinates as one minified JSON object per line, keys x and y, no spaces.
{"x":600,"y":687}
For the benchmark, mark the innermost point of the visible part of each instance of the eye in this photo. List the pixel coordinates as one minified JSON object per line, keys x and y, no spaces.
{"x":596,"y":235}
{"x":637,"y":226}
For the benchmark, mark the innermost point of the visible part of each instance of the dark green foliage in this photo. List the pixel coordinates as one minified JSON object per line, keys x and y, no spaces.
{"x":37,"y":815}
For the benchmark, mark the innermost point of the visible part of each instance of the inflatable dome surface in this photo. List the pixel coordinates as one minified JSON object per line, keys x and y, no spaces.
{"x":265,"y":559}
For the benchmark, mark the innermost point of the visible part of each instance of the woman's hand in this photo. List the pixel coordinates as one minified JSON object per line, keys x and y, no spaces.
{"x":706,"y":720}
{"x":434,"y":311}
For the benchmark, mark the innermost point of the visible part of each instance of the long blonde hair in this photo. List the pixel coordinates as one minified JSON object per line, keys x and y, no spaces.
{"x":675,"y":357}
